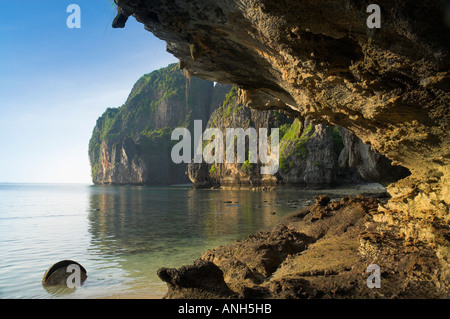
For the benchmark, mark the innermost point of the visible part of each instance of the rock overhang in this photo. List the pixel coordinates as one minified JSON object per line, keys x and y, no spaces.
{"x":319,"y":60}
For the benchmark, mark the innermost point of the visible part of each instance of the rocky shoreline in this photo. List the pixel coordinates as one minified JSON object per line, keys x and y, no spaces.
{"x":321,"y":251}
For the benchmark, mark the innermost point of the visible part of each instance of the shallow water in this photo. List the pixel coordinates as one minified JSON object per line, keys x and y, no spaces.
{"x":122,"y":235}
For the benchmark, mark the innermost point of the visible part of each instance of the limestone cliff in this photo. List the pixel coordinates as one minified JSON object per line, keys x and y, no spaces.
{"x":132,"y":144}
{"x":311,"y":155}
{"x":318,"y":60}
{"x":231,"y":114}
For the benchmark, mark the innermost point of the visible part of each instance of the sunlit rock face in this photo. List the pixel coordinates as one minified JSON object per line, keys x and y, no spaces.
{"x":132,"y":144}
{"x":318,"y":60}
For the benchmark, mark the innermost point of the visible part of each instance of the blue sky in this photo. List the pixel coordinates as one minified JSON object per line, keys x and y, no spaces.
{"x":55,"y":82}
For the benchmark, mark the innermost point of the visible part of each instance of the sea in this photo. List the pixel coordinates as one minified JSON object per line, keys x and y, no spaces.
{"x":122,"y":235}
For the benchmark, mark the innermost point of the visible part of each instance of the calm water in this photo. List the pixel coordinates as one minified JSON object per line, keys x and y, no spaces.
{"x":122,"y":235}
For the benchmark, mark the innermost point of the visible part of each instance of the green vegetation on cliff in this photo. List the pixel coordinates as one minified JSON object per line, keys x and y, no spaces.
{"x":228,"y":107}
{"x":132,"y":144}
{"x":128,"y":141}
{"x":293,"y":143}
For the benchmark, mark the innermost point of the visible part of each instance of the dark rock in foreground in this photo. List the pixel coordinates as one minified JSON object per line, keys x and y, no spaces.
{"x":203,"y":279}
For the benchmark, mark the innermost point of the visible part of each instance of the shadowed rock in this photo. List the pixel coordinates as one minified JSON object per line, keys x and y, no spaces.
{"x":121,"y":18}
{"x":203,"y":278}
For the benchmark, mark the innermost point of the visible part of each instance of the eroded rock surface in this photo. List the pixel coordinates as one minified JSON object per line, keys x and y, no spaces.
{"x":318,"y":60}
{"x":321,"y":251}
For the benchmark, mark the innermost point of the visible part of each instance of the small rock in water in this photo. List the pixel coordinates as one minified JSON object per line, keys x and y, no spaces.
{"x":59,"y":273}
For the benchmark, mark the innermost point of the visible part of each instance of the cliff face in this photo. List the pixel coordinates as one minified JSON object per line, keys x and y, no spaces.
{"x":132,"y":144}
{"x":231,"y":114}
{"x":310,"y":155}
{"x":318,"y":60}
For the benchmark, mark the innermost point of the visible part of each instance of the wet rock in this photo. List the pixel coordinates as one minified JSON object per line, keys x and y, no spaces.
{"x":58,"y":273}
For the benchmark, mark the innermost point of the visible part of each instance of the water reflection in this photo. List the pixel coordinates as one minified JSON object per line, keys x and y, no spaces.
{"x":140,"y":229}
{"x":135,"y":219}
{"x":135,"y":230}
{"x":59,"y":291}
